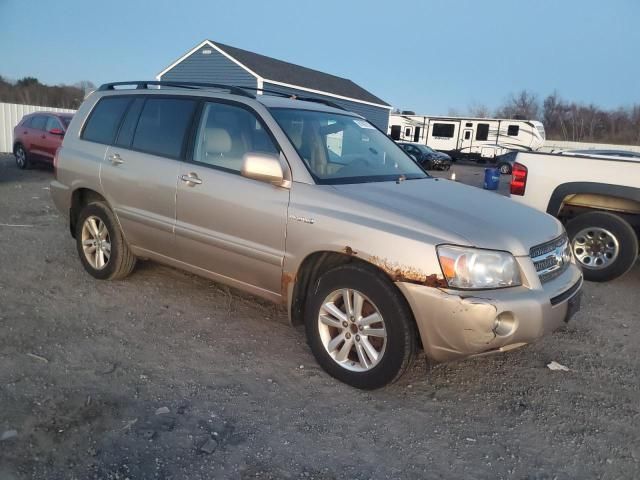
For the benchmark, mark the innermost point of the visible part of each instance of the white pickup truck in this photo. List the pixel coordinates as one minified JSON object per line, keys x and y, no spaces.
{"x":596,"y":197}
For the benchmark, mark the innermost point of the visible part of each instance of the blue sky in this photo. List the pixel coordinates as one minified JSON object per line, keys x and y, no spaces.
{"x":432,"y":56}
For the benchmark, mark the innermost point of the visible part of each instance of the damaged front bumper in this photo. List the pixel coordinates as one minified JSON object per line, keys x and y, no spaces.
{"x":455,"y":324}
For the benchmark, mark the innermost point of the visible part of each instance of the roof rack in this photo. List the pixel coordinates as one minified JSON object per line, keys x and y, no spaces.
{"x":144,"y":84}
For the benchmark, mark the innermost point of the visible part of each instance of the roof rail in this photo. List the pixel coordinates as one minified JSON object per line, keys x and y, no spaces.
{"x":293,"y":96}
{"x":144,"y":84}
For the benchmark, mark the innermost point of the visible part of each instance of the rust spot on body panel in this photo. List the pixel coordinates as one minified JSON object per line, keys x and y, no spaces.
{"x":349,"y":251}
{"x":402,"y":273}
{"x":287,"y":280}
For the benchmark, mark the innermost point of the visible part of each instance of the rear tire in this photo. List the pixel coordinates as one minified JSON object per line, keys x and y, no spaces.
{"x":22,"y":158}
{"x":103,"y":251}
{"x":606,"y":238}
{"x":351,"y":359}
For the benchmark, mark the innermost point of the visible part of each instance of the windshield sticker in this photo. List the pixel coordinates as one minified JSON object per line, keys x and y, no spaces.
{"x":363,"y":124}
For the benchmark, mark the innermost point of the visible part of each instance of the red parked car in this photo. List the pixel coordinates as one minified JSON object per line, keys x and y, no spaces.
{"x":38,"y":136}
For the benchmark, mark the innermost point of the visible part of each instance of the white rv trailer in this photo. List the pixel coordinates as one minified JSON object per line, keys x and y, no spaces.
{"x":478,"y":138}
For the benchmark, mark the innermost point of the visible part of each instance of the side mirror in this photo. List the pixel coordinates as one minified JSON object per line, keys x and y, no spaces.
{"x":262,"y":167}
{"x":56,"y":131}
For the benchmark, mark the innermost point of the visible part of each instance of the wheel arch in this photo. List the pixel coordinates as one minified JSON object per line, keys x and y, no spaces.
{"x":79,"y":198}
{"x":617,"y":198}
{"x":295,"y":285}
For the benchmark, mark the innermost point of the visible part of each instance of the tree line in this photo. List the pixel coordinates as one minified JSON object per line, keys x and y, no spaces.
{"x":29,"y":91}
{"x":571,"y":121}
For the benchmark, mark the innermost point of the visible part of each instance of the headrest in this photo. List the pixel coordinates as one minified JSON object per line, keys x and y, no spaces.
{"x":217,"y":140}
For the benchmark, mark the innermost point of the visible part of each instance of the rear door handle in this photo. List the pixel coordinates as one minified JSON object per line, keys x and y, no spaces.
{"x":191,"y":179}
{"x":115,"y":159}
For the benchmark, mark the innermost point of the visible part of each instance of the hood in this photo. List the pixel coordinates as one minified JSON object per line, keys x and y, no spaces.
{"x":438,"y":207}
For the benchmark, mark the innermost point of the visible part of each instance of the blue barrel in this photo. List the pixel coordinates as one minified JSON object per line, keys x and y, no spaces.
{"x":491,"y":178}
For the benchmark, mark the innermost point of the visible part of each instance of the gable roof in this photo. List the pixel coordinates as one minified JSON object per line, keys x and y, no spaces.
{"x":275,"y":71}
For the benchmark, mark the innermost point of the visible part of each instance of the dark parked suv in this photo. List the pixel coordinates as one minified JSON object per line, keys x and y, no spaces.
{"x":38,"y":136}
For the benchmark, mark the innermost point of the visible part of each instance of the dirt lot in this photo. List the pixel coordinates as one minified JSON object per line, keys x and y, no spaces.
{"x":85,"y":365}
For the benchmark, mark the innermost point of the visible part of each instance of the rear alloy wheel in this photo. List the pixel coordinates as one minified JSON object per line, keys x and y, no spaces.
{"x":22,"y":160}
{"x":604,"y":244}
{"x":103,"y":251}
{"x":359,"y":326}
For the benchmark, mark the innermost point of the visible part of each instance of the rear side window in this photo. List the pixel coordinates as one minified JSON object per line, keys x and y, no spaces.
{"x":38,"y":122}
{"x":128,"y":127}
{"x":104,"y":120}
{"x":163,"y":125}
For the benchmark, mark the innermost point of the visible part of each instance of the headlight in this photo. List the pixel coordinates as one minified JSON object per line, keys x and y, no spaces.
{"x":472,"y":268}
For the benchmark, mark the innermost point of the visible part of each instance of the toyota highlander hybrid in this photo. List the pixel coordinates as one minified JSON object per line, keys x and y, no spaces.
{"x":301,"y":202}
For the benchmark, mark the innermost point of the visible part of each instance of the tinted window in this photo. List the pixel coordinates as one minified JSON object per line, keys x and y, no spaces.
{"x":163,"y":125}
{"x":66,"y":121}
{"x":52,"y":123}
{"x":407,"y":132}
{"x":38,"y":122}
{"x":513,"y":130}
{"x":467,"y":135}
{"x":443,"y":130}
{"x":226,"y":133}
{"x":127,"y":129}
{"x":482,"y":132}
{"x":104,"y":119}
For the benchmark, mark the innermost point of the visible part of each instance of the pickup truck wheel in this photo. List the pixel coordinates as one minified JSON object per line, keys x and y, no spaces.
{"x":22,"y":158}
{"x":101,"y":246}
{"x":604,"y":244}
{"x":359,"y":327}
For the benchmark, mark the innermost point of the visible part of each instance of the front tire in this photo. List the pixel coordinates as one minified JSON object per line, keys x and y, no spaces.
{"x":359,"y":327}
{"x":604,"y":244}
{"x":103,"y":251}
{"x":22,"y":158}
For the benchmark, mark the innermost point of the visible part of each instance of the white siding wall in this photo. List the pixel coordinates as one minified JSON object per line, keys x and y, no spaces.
{"x":10,"y":115}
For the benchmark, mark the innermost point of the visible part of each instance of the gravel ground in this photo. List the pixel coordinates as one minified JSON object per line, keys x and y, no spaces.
{"x":87,"y":369}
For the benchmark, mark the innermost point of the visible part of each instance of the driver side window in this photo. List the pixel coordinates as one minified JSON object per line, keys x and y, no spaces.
{"x":226,"y":133}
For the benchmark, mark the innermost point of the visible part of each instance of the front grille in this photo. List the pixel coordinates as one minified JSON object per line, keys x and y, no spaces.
{"x":551,"y":258}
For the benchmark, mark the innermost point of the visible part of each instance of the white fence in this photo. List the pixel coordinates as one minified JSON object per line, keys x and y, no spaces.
{"x":550,"y":145}
{"x":10,"y":115}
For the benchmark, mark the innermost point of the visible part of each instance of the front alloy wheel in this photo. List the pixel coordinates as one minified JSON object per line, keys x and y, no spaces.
{"x":359,"y":326}
{"x":352,"y":330}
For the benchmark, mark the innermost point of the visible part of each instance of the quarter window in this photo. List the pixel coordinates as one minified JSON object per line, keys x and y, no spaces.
{"x":482,"y":131}
{"x":226,"y":133}
{"x":513,"y":130}
{"x":163,"y":125}
{"x":444,"y":130}
{"x":104,"y":120}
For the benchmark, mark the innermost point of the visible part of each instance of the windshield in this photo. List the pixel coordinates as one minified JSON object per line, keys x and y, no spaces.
{"x":344,"y":149}
{"x":425,"y":149}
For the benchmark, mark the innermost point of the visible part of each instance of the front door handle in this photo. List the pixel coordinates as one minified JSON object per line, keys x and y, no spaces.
{"x":191,"y":179}
{"x":115,"y":159}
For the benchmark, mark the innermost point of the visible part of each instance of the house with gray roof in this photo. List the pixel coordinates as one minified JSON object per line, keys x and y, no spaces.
{"x":218,"y":63}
